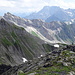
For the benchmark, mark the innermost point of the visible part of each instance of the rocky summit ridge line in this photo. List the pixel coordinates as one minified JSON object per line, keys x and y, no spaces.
{"x":53,"y":32}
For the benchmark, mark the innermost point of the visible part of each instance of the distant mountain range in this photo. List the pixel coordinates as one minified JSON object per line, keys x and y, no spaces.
{"x":53,"y":13}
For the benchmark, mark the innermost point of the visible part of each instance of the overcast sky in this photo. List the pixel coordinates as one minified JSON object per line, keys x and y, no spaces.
{"x":23,"y":6}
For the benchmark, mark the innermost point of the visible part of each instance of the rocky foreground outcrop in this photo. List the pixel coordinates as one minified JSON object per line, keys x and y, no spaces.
{"x":58,"y":62}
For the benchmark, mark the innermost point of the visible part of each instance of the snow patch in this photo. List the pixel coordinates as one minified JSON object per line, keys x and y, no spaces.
{"x":30,"y":29}
{"x":41,"y":55}
{"x":38,"y":57}
{"x":70,"y":22}
{"x":56,"y":45}
{"x":24,"y":59}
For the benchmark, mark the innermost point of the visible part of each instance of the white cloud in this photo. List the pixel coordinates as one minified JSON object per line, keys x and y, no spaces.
{"x":31,"y":5}
{"x":5,"y":3}
{"x":61,"y":3}
{"x":19,"y":6}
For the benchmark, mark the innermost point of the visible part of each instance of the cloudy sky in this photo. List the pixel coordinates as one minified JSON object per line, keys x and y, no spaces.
{"x":25,"y":6}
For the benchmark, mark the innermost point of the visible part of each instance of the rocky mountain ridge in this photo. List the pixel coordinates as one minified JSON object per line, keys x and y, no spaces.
{"x":53,"y":32}
{"x":17,"y":44}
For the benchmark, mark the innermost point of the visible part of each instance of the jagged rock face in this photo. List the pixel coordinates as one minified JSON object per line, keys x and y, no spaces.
{"x":16,"y":43}
{"x":46,"y":31}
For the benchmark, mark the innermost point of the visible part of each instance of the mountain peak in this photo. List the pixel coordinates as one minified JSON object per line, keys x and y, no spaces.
{"x":44,"y":13}
{"x":46,"y":7}
{"x":51,"y":7}
{"x":8,"y":13}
